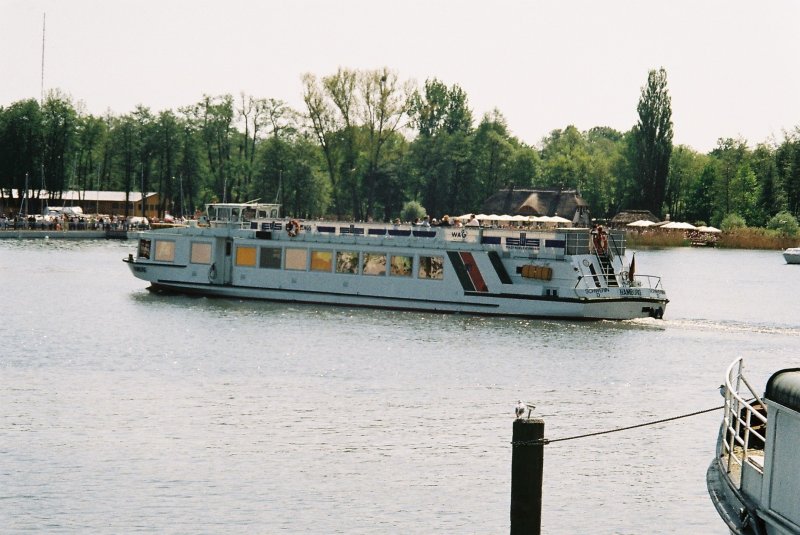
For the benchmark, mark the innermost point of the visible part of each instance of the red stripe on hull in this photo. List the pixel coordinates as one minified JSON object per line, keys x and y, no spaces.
{"x":474,"y":272}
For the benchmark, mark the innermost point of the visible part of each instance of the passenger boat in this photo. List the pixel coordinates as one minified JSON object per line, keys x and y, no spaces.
{"x":792,"y":255}
{"x":247,"y":251}
{"x":754,"y":479}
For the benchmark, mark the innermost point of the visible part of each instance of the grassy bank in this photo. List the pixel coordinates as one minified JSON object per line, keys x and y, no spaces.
{"x":742,"y":238}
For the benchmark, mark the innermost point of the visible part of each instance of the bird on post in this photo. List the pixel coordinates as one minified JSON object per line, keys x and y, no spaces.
{"x":523,"y":406}
{"x":519,"y":410}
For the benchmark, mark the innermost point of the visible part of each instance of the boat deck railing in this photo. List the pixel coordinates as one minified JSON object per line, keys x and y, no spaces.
{"x":744,"y":423}
{"x":572,"y":241}
{"x":651,"y":282}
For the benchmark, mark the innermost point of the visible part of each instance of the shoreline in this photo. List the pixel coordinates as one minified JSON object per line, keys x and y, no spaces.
{"x":66,"y":234}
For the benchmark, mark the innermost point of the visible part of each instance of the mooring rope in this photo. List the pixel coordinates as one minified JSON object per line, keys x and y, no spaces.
{"x":545,"y":441}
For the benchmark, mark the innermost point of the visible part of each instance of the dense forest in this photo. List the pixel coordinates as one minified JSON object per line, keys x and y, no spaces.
{"x":368,"y":144}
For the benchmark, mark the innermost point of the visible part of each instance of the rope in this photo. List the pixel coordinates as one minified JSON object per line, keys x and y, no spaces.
{"x":545,"y":441}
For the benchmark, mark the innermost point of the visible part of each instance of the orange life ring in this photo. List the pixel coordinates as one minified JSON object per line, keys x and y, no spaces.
{"x":293,"y":228}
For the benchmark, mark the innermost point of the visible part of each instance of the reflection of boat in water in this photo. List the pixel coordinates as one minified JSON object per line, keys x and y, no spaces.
{"x":792,"y":255}
{"x":247,"y":251}
{"x":754,"y":479}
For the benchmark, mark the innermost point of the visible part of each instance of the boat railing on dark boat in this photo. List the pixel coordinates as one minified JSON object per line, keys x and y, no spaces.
{"x":754,"y":479}
{"x":249,"y":251}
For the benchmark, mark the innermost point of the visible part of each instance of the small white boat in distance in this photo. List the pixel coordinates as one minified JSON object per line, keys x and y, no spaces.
{"x":792,"y":255}
{"x":248,"y":251}
{"x":754,"y":479}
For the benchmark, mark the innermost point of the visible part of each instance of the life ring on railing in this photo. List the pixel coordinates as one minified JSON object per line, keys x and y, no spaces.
{"x":293,"y":228}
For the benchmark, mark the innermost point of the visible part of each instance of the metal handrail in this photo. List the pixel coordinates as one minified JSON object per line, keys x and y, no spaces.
{"x":738,"y":424}
{"x":650,"y":282}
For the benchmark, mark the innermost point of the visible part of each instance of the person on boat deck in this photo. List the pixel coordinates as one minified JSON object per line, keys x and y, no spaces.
{"x":426,"y":222}
{"x":600,"y":239}
{"x":458,"y":223}
{"x":473,"y":221}
{"x":445,"y":221}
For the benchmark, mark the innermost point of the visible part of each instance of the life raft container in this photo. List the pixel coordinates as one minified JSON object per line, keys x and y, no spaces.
{"x":531,"y":271}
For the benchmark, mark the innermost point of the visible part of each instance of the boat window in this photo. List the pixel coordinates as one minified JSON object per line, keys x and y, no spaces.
{"x":165,"y":251}
{"x":270,"y":257}
{"x":346,"y":262}
{"x":431,"y":267}
{"x":373,"y":264}
{"x":274,"y":213}
{"x":321,"y":260}
{"x":296,"y":259}
{"x":201,"y":253}
{"x":246,"y":256}
{"x":223,"y":213}
{"x":144,"y":249}
{"x":401,"y":265}
{"x":248,"y":214}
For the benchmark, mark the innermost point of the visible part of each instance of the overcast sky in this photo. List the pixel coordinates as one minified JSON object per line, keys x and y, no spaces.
{"x":733,"y":67}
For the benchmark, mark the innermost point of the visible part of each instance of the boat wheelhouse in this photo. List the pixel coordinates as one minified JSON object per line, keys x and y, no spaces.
{"x":247,"y":251}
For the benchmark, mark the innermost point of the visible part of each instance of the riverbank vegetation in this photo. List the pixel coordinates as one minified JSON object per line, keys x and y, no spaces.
{"x":366,"y":143}
{"x":743,"y":238}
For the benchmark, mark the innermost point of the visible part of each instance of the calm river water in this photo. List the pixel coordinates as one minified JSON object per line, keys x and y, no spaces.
{"x":122,"y":411}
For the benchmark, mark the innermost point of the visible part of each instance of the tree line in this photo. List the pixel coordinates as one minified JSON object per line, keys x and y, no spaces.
{"x":367,"y":143}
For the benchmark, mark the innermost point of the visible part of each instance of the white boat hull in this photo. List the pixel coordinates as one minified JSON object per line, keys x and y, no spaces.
{"x":792,"y":256}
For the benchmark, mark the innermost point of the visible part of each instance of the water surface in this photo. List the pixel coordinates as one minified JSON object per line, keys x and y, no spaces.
{"x":126,"y":411}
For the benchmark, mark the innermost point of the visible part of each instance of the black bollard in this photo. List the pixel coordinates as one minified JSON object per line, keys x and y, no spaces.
{"x":527,"y":462}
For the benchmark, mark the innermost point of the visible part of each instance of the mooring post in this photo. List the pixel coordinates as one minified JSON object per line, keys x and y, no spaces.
{"x":527,"y":463}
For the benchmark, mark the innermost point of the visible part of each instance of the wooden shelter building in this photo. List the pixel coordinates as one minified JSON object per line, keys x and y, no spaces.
{"x":91,"y":201}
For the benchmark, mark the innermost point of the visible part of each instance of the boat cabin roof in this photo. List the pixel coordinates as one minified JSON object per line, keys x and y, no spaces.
{"x":784,"y":388}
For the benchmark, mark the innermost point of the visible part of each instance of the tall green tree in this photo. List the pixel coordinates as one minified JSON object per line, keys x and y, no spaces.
{"x":442,"y":151}
{"x":59,"y":121}
{"x":213,"y":118}
{"x":699,"y":204}
{"x":730,"y":156}
{"x":787,"y":162}
{"x":327,"y":127}
{"x":493,"y":153}
{"x":21,"y":146}
{"x":565,"y":159}
{"x":384,"y":103}
{"x":91,"y":134}
{"x":685,"y":167}
{"x":167,"y":131}
{"x":125,"y":155}
{"x":772,"y":198}
{"x":652,"y":141}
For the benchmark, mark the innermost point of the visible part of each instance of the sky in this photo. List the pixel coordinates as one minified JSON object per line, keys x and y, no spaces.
{"x":733,"y":67}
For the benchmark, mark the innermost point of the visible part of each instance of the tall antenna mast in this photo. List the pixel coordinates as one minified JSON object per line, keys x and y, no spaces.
{"x":44,"y":19}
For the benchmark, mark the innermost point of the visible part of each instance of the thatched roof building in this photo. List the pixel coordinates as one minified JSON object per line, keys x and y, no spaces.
{"x":539,"y":202}
{"x":629,"y":216}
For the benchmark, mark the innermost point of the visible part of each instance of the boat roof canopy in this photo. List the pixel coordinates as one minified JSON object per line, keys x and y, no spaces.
{"x":784,"y":388}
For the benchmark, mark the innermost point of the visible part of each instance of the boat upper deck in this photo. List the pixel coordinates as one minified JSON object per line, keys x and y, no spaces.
{"x":525,"y":240}
{"x":520,"y":240}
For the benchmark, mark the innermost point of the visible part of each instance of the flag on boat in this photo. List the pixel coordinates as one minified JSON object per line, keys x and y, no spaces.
{"x":632,"y":269}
